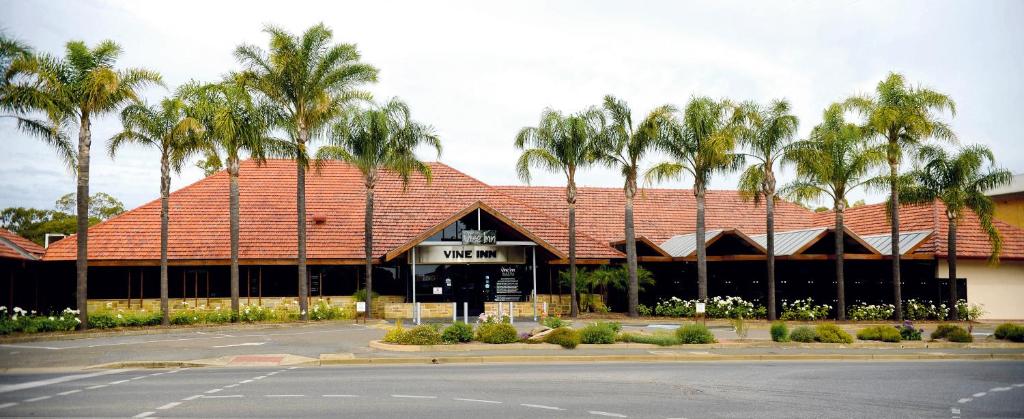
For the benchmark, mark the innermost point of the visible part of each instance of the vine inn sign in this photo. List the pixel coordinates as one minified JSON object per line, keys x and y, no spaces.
{"x":458,"y":240}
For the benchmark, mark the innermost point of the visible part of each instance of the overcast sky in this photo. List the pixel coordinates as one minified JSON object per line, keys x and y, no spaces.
{"x":479,"y":72}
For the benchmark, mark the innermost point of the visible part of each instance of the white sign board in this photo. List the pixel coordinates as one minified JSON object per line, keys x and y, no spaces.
{"x":437,"y":291}
{"x":700,"y":308}
{"x":470,"y":254}
{"x":360,"y":306}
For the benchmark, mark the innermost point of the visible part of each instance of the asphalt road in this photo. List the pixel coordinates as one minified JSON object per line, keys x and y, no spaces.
{"x":691,"y":390}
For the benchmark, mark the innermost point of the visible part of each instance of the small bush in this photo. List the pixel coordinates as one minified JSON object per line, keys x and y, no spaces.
{"x":803,"y":334}
{"x":1016,"y":334}
{"x":830,"y":333}
{"x":102,"y":320}
{"x":908,"y":331}
{"x":361,"y":295}
{"x":394,"y":334}
{"x":185,"y":317}
{"x":255,"y":313}
{"x":457,"y":332}
{"x":779,"y":331}
{"x":695,"y":333}
{"x":660,"y":339}
{"x":602,"y":333}
{"x":943,"y":329}
{"x":421,"y":335}
{"x":564,"y":337}
{"x":1004,"y":330}
{"x":959,"y":335}
{"x":644,"y":310}
{"x":882,"y":333}
{"x":496,"y":333}
{"x":553,"y":322}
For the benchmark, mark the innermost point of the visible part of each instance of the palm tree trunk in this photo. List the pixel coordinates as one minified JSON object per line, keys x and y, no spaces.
{"x":633,"y":287}
{"x":770,"y":238}
{"x":235,"y":218}
{"x":574,"y":309}
{"x":82,"y":261}
{"x":951,"y":261}
{"x":165,"y":192}
{"x":840,"y":255}
{"x":368,"y":248}
{"x":702,"y":262}
{"x":895,"y":211}
{"x":300,"y":207}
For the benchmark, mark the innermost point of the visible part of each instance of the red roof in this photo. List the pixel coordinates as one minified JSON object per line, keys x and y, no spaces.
{"x":13,"y":246}
{"x":199,"y":223}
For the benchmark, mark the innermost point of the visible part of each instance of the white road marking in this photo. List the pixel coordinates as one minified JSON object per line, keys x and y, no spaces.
{"x":292,"y":368}
{"x":231,"y":386}
{"x":173,"y":371}
{"x":477,"y":400}
{"x":954,"y":411}
{"x":1001,"y":389}
{"x":65,"y":393}
{"x":216,"y":390}
{"x":189,"y":398}
{"x":600,"y":413}
{"x":31,"y":347}
{"x":1019,"y":385}
{"x":36,"y":399}
{"x":40,"y":383}
{"x":244,"y":381}
{"x":259,"y":378}
{"x":143,"y":414}
{"x":285,"y":395}
{"x":96,"y":387}
{"x":118,"y":382}
{"x":340,"y":395}
{"x":138,"y":378}
{"x":982,"y":394}
{"x":540,"y":406}
{"x":407,"y":396}
{"x":168,"y":406}
{"x":6,"y":405}
{"x":241,"y":344}
{"x":964,"y":400}
{"x":272,"y":373}
{"x":228,"y":396}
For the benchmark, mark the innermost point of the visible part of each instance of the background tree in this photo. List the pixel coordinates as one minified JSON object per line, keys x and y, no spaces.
{"x":701,"y":145}
{"x":959,"y":181}
{"x":905,"y":117}
{"x":168,"y":129}
{"x":309,"y":80}
{"x":836,"y":159}
{"x":564,"y":144}
{"x":234,"y":124}
{"x":767,"y":133}
{"x":382,"y":138}
{"x":606,"y":278}
{"x":72,"y":91}
{"x":623,"y":146}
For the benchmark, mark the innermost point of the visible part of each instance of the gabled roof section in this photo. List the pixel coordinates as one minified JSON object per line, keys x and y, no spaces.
{"x":457,"y":216}
{"x":793,"y":242}
{"x":642,"y":242}
{"x":909,"y":242}
{"x":685,"y":245}
{"x":13,"y":246}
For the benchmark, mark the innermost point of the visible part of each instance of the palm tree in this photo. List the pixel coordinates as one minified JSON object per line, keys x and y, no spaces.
{"x":168,"y":129}
{"x":564,"y":144}
{"x":15,"y":101}
{"x":309,"y":81}
{"x":382,"y":138}
{"x":959,"y":181}
{"x":623,"y":146}
{"x":234,"y":124}
{"x":836,"y":159}
{"x":905,"y":117}
{"x":73,"y":90}
{"x":767,"y":134}
{"x":701,"y":146}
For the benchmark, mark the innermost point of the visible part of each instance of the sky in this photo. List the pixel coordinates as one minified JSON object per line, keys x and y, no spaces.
{"x":479,"y":72}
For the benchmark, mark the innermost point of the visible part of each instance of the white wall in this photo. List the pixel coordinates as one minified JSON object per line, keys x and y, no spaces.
{"x":999,"y":288}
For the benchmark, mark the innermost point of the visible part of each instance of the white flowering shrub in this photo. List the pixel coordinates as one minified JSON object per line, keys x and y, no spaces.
{"x":864,"y":311}
{"x":19,"y":320}
{"x":804,"y":310}
{"x":717,"y":308}
{"x":492,"y":318}
{"x":914,"y":309}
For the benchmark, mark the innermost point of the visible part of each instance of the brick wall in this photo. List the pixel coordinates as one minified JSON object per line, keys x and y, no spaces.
{"x":283,"y":303}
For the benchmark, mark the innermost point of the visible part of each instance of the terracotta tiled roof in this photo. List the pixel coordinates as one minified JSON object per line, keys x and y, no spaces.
{"x":199,"y":216}
{"x":660,"y":214}
{"x":13,"y":246}
{"x":972,"y":242}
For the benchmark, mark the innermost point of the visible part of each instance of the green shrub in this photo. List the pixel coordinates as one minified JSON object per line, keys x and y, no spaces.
{"x":361,"y":295}
{"x":830,"y":333}
{"x":943,"y":329}
{"x":457,"y":332}
{"x":1004,"y":330}
{"x":600,"y":332}
{"x":394,"y":334}
{"x":1016,"y":334}
{"x":882,"y":333}
{"x":959,"y":335}
{"x":496,"y":333}
{"x":323,"y":310}
{"x":779,"y":331}
{"x":218,"y":316}
{"x":695,"y":333}
{"x":254,"y":313}
{"x":553,"y":322}
{"x":564,"y":337}
{"x":102,"y":320}
{"x":660,"y":339}
{"x":185,"y":317}
{"x":803,"y":334}
{"x":421,"y":335}
{"x":644,"y":310}
{"x":143,"y":318}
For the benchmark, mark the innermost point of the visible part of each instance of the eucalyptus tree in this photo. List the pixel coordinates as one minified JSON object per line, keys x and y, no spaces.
{"x":960,"y":181}
{"x":375,"y":140}
{"x":310,"y":81}
{"x":168,"y":129}
{"x":72,"y":90}
{"x":565,"y":144}
{"x":905,"y":116}
{"x":234,"y":124}
{"x":767,"y":133}
{"x":623,"y":146}
{"x":701,"y":145}
{"x":836,"y":159}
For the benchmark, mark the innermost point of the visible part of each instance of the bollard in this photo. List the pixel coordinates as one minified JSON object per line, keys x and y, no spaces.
{"x":500,"y":312}
{"x":455,"y":312}
{"x":511,"y":312}
{"x":417,"y":312}
{"x":465,"y":313}
{"x":545,"y":309}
